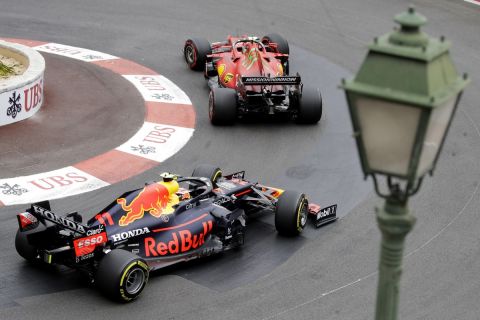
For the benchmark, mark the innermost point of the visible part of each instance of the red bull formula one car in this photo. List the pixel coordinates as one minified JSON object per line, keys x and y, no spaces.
{"x":247,"y":75}
{"x":166,"y":222}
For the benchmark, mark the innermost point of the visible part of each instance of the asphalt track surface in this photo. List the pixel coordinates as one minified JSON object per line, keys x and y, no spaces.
{"x":85,"y":109}
{"x":329,"y":273}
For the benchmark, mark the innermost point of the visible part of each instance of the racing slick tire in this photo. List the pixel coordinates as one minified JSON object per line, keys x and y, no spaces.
{"x":291,"y":213}
{"x":309,"y":106}
{"x":222,"y":106}
{"x":25,"y":249}
{"x":121,"y":275}
{"x":282,"y":47}
{"x":195,"y":53}
{"x":282,"y":44}
{"x":208,"y":171}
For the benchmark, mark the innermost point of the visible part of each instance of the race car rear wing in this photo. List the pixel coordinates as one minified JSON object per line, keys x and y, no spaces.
{"x":41,"y":211}
{"x":291,"y":80}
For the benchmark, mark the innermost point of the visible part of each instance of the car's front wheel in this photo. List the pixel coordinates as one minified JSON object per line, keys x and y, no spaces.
{"x":195,"y":52}
{"x":208,"y":171}
{"x":291,"y":213}
{"x":121,"y":275}
{"x":222,"y":106}
{"x":282,"y":47}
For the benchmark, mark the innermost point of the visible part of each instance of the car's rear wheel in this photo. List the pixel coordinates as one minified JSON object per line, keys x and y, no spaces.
{"x":208,"y":171}
{"x":291,"y":213}
{"x":195,"y":52}
{"x":24,"y":248}
{"x":222,"y":106}
{"x":121,"y":275}
{"x":309,"y":106}
{"x":282,"y":47}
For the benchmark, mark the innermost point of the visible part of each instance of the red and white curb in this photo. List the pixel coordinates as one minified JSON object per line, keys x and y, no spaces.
{"x":477,"y":2}
{"x":168,"y":125}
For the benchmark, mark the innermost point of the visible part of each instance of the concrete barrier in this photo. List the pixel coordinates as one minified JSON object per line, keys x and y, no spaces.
{"x":21,"y":96}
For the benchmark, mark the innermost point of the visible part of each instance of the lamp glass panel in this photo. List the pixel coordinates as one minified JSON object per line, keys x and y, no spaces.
{"x":388,"y":132}
{"x":436,"y":129}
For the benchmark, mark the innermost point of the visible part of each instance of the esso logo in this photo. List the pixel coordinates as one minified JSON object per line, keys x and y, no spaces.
{"x":90,"y":241}
{"x":87,"y":245}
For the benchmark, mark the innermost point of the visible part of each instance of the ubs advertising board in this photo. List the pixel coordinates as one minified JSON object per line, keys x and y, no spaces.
{"x":21,"y":103}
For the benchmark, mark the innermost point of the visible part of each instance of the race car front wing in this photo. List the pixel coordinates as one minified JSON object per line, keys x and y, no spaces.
{"x":323,"y":216}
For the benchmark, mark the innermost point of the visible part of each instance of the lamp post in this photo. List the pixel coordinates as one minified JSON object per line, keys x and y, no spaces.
{"x":401,"y":102}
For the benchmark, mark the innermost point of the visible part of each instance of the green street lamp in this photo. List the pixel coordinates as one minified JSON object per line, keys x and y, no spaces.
{"x":401,"y":102}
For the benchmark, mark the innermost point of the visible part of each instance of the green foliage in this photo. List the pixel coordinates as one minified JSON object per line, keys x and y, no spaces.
{"x":5,"y":70}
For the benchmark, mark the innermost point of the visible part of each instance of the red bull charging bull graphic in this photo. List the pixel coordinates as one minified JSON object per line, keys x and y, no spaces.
{"x":157,"y":199}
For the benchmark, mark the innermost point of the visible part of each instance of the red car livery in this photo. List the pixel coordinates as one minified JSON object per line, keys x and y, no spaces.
{"x":247,"y":75}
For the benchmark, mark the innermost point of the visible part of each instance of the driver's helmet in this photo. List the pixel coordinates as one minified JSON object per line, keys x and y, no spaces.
{"x":183,"y":194}
{"x":167,"y":176}
{"x":246,"y":47}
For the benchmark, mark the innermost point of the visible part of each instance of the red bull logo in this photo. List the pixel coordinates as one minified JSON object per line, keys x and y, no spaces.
{"x":182,"y":241}
{"x":157,"y":199}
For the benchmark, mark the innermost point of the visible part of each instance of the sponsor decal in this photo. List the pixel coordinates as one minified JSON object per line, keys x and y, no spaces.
{"x":327,"y":212}
{"x":143,"y":149}
{"x":159,"y":134}
{"x":22,"y":102}
{"x":155,"y":199}
{"x":157,"y":88}
{"x":74,"y":52}
{"x":266,"y":80}
{"x":156,"y":142}
{"x":221,"y":69}
{"x":323,"y":216}
{"x":129,"y":234}
{"x":47,"y":185}
{"x":69,"y":224}
{"x":84,"y":246}
{"x":15,"y":105}
{"x":33,"y":95}
{"x":190,"y":206}
{"x":182,"y":241}
{"x":221,"y":201}
{"x":84,"y":257}
{"x":13,"y":190}
{"x":100,"y":229}
{"x":227,"y":78}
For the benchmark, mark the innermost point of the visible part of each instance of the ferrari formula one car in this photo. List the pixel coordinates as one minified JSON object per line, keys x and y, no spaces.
{"x":166,"y":222}
{"x":247,"y":75}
